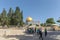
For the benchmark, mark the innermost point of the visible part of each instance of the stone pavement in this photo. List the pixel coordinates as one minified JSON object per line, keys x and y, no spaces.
{"x":20,"y":35}
{"x":54,"y":35}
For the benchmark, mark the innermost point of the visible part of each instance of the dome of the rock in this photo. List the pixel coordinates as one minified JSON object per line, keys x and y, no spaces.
{"x":29,"y":19}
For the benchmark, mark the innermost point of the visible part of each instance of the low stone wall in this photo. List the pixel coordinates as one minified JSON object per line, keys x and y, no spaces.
{"x":5,"y":32}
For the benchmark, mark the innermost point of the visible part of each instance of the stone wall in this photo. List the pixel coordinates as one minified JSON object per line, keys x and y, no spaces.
{"x":5,"y":32}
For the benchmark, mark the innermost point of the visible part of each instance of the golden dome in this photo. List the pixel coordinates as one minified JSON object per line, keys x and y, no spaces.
{"x":29,"y":19}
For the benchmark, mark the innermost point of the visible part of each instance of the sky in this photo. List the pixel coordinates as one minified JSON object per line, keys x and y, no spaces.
{"x":39,"y":10}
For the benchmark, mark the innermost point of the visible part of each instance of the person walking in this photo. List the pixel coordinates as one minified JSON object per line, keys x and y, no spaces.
{"x":40,"y":34}
{"x":45,"y":32}
{"x":35,"y":29}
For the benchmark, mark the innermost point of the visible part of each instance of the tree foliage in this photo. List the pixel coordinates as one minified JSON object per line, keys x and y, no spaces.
{"x":9,"y":16}
{"x":3,"y":17}
{"x":58,"y":21}
{"x":50,"y":21}
{"x":18,"y":17}
{"x":12,"y":17}
{"x":43,"y":24}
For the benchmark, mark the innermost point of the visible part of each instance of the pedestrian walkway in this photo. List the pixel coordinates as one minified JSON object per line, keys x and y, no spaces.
{"x":51,"y":36}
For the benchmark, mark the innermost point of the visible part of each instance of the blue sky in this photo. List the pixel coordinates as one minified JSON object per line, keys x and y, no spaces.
{"x":39,"y":10}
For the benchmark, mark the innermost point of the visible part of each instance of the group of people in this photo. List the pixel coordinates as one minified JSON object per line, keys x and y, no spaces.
{"x":40,"y":33}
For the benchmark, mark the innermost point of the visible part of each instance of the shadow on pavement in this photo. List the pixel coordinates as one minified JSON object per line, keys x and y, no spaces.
{"x":20,"y":37}
{"x":27,"y":37}
{"x":52,"y":35}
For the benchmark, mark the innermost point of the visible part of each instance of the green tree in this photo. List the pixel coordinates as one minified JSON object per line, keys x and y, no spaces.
{"x":30,"y":24}
{"x":43,"y":24}
{"x":10,"y":13}
{"x":0,"y":19}
{"x":21,"y":21}
{"x":50,"y":21}
{"x":58,"y":21}
{"x":3,"y":17}
{"x":12,"y":18}
{"x":18,"y":16}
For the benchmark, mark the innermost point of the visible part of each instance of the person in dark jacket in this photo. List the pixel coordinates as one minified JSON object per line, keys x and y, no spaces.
{"x":45,"y":32}
{"x":35,"y":29}
{"x":40,"y":34}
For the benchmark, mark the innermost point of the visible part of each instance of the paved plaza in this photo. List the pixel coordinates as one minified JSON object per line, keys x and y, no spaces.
{"x":21,"y":35}
{"x":53,"y":35}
